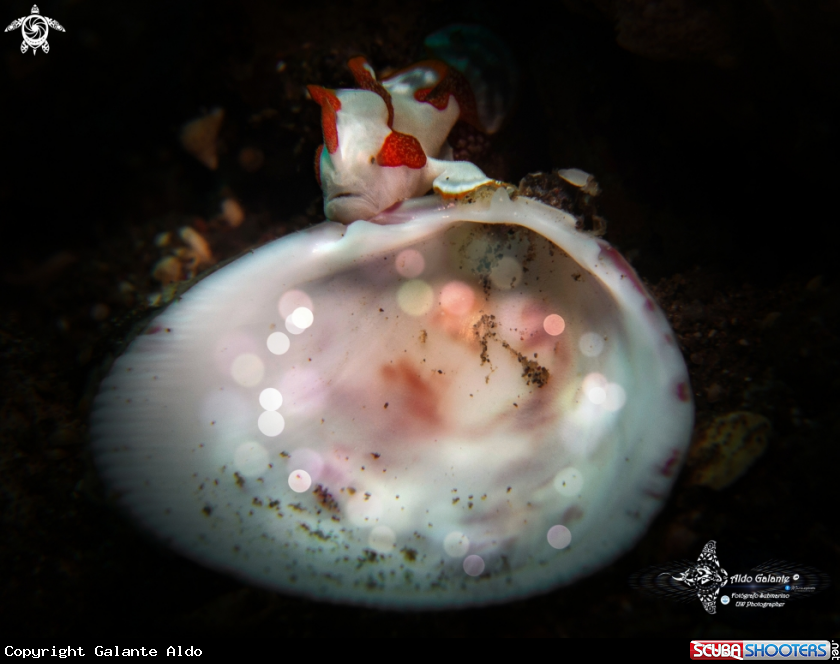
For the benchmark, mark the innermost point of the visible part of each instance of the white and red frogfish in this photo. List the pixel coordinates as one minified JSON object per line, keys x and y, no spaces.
{"x":386,"y":142}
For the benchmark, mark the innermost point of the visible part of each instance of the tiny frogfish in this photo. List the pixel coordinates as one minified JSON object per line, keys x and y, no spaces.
{"x":386,"y":142}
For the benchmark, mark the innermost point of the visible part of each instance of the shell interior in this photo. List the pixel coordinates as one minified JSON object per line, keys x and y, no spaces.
{"x":474,"y":404}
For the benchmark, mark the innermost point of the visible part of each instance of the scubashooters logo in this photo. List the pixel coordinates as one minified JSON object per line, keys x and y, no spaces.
{"x":769,"y":585}
{"x":35,"y":29}
{"x":749,"y":650}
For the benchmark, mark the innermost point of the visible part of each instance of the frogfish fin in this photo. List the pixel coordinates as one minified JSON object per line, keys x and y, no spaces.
{"x":329,"y":103}
{"x":452,"y":83}
{"x":366,"y":79}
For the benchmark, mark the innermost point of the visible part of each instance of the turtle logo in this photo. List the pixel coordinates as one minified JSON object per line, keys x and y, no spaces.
{"x":706,"y":577}
{"x":35,"y":29}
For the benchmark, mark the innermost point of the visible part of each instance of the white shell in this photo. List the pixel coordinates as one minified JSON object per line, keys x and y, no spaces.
{"x":401,"y":451}
{"x":580,"y":179}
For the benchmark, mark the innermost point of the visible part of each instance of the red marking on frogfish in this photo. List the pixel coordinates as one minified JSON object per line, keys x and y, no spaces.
{"x":451,"y":83}
{"x":401,"y":150}
{"x":683,"y":393}
{"x":329,"y":103}
{"x":318,"y":163}
{"x":367,"y":81}
{"x":670,"y":466}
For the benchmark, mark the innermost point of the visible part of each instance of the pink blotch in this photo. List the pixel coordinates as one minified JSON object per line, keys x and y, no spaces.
{"x":683,"y":393}
{"x":670,"y":466}
{"x":571,"y":514}
{"x":621,"y":264}
{"x":526,"y":317}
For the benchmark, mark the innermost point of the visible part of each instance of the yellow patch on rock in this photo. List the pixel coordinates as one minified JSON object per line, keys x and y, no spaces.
{"x":727,"y":448}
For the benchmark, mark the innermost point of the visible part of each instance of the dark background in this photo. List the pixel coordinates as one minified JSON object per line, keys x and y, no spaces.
{"x":712,"y":128}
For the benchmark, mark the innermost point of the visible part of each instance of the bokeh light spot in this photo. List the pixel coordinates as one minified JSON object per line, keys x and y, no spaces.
{"x":382,"y":539}
{"x":456,"y":544}
{"x":597,"y":395}
{"x":591,"y":344}
{"x":616,"y":397}
{"x":364,"y":510}
{"x":271,"y":399}
{"x":478,"y":253}
{"x":507,"y":274}
{"x":473,"y":565}
{"x":415,"y":297}
{"x":410,"y":263}
{"x":299,"y":481}
{"x":303,"y":318}
{"x":309,"y":460}
{"x":569,"y":482}
{"x":291,"y":328}
{"x":271,"y":423}
{"x":595,"y":388}
{"x":559,"y":537}
{"x":250,"y":459}
{"x":278,"y":343}
{"x":554,"y":324}
{"x":247,"y":370}
{"x":457,"y":298}
{"x":292,"y":300}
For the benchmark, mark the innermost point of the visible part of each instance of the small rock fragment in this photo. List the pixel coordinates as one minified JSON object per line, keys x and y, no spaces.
{"x":168,"y":270}
{"x":770,"y":319}
{"x":183,"y":262}
{"x":127,"y":292}
{"x":714,"y":392}
{"x":99,"y":311}
{"x":232,"y":212}
{"x":199,"y":137}
{"x":251,"y":159}
{"x":45,"y":273}
{"x":201,"y":253}
{"x":814,"y":284}
{"x":727,"y":448}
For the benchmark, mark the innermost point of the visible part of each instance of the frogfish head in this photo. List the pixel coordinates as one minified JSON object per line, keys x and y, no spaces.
{"x":349,"y":166}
